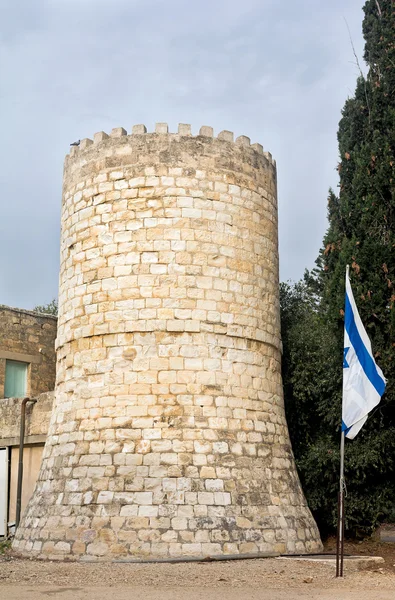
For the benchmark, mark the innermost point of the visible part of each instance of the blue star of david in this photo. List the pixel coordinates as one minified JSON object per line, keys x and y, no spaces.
{"x":345,"y":363}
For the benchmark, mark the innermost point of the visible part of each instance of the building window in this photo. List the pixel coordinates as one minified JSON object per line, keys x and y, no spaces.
{"x":15,"y":379}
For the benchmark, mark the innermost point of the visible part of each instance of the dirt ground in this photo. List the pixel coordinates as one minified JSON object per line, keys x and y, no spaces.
{"x":255,"y":579}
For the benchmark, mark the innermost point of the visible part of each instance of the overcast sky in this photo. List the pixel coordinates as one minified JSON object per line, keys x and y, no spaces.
{"x":278,"y":72}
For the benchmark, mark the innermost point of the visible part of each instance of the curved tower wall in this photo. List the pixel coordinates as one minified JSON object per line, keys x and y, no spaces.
{"x":168,"y":436}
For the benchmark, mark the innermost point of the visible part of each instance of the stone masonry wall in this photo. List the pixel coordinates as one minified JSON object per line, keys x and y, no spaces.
{"x":168,"y":436}
{"x":22,"y":334}
{"x":37,"y":419}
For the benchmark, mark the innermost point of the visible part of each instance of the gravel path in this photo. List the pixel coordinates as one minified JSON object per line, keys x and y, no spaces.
{"x":260,"y":579}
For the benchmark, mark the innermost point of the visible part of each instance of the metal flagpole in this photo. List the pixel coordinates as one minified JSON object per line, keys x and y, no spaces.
{"x":340,"y":522}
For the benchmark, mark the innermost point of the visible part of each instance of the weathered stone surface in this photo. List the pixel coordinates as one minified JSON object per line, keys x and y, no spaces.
{"x":168,"y":436}
{"x":100,"y":136}
{"x":161,"y":128}
{"x":243,"y":140}
{"x":257,"y":148}
{"x":226,"y":135}
{"x":206,"y":131}
{"x":37,"y":418}
{"x":118,"y":132}
{"x":184,"y":129}
{"x":85,"y":143}
{"x":139,"y":129}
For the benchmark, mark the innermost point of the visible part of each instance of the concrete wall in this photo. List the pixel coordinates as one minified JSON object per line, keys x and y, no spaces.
{"x":28,"y":337}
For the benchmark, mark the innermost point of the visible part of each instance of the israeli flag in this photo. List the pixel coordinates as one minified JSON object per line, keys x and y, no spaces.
{"x":363,"y":380}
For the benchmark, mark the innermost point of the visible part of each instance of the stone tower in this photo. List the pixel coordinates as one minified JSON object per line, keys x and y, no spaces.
{"x":168,"y":436}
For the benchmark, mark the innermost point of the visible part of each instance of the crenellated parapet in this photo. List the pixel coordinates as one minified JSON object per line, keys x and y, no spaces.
{"x":184,"y":130}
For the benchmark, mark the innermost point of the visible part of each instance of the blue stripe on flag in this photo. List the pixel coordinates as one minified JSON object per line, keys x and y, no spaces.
{"x":345,"y":428}
{"x":366,"y":361}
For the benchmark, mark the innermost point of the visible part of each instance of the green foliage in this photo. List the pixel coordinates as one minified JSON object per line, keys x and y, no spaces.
{"x":5,"y":546}
{"x":311,"y":365}
{"x":361,"y":233}
{"x":48,"y":309}
{"x":312,"y":376}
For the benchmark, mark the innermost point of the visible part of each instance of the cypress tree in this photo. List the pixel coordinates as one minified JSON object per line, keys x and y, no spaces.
{"x":361,"y":233}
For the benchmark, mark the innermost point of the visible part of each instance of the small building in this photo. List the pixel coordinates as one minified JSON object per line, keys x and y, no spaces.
{"x":27,"y":369}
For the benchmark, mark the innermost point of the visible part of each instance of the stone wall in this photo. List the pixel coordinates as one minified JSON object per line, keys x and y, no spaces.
{"x":28,"y":337}
{"x":168,"y":436}
{"x":37,"y":419}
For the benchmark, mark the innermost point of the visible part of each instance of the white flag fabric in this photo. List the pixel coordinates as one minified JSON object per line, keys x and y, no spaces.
{"x":363,"y":380}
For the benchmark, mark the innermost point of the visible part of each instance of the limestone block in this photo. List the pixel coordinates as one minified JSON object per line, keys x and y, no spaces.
{"x":184,"y":129}
{"x":161,"y":128}
{"x":139,"y":129}
{"x":226,"y":135}
{"x":100,"y":136}
{"x":85,"y":143}
{"x":118,"y":132}
{"x":268,"y":156}
{"x":206,"y":131}
{"x":243,"y":140}
{"x":258,"y":148}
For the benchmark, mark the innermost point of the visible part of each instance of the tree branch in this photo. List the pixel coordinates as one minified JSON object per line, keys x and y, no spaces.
{"x":359,"y":67}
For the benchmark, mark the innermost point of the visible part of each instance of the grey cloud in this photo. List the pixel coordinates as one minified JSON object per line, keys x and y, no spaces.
{"x":276,"y":71}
